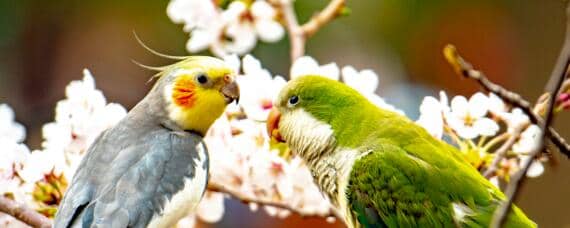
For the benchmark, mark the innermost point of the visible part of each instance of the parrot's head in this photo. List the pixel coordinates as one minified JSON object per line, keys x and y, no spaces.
{"x":313,"y":114}
{"x":197,"y":91}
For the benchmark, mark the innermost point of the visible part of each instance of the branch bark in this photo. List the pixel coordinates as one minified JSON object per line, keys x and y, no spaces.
{"x":466,"y":69}
{"x":23,"y":213}
{"x":502,"y":151}
{"x":331,"y":11}
{"x":555,"y":83}
{"x":215,"y":187}
{"x":298,"y":34}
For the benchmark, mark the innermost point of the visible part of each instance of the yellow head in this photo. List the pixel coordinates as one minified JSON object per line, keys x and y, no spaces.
{"x":198,"y":91}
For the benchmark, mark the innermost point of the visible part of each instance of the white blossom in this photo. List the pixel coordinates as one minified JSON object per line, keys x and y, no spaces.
{"x":192,"y":13}
{"x":515,"y":119}
{"x":432,"y":114}
{"x":258,"y":89}
{"x":233,"y":30}
{"x":306,"y":65}
{"x":41,"y":163}
{"x":79,"y":119}
{"x":9,"y":129}
{"x":211,"y":207}
{"x":468,"y":118}
{"x":365,"y":81}
{"x":528,"y":140}
{"x":535,"y":170}
{"x":246,"y":23}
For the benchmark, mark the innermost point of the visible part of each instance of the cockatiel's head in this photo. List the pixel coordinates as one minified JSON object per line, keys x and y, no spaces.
{"x":196,"y":91}
{"x":313,"y":114}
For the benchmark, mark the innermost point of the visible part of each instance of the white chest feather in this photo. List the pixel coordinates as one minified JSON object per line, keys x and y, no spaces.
{"x":184,"y":201}
{"x":344,"y":162}
{"x":314,"y":141}
{"x":306,"y":135}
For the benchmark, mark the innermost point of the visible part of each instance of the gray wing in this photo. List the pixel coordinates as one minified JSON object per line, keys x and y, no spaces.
{"x":120,"y":184}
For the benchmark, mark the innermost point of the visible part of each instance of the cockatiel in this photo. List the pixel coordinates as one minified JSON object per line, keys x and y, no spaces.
{"x":151,"y":168}
{"x":378,"y":167}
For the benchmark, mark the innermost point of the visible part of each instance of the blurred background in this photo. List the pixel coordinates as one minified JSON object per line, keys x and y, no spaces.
{"x":43,"y":46}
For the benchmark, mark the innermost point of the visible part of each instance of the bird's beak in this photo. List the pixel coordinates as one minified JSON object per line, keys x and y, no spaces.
{"x":273,"y":125}
{"x":230,"y":91}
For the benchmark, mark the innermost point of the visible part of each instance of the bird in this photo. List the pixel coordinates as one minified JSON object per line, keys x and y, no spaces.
{"x":377,"y":167}
{"x":151,"y":168}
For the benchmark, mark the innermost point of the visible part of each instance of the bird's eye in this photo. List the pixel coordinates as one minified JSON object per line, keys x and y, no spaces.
{"x":202,"y":79}
{"x":293,"y":100}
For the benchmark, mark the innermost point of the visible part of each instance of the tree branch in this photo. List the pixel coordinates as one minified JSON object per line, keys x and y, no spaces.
{"x":331,"y":11}
{"x":553,"y":88}
{"x":465,"y":69}
{"x":215,"y":187}
{"x":298,"y":34}
{"x":23,"y":213}
{"x":502,"y":151}
{"x":297,"y":38}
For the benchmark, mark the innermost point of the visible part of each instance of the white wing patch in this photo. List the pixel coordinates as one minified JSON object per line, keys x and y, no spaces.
{"x":460,"y":211}
{"x":186,"y":200}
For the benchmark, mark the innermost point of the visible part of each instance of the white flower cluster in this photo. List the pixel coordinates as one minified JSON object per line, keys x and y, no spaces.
{"x":474,"y":125}
{"x":233,"y":30}
{"x":13,"y":154}
{"x":39,"y":178}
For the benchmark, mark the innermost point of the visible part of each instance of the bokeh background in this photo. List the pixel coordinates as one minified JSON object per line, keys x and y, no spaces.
{"x":45,"y":45}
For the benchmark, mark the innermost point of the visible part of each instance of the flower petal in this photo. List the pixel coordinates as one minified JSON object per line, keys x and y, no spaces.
{"x":233,"y":12}
{"x":243,"y":38}
{"x":478,"y":105}
{"x":486,"y":127}
{"x":330,"y":71}
{"x":431,"y":116}
{"x":233,"y":61}
{"x":304,"y":66}
{"x":262,"y":10}
{"x":459,"y":106}
{"x":467,"y":132}
{"x":496,"y":104}
{"x":536,"y":169}
{"x":365,"y":81}
{"x":269,"y":30}
{"x":199,"y":40}
{"x":211,"y":207}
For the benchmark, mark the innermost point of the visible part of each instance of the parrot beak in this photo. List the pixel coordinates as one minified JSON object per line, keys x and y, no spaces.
{"x":230,"y":91}
{"x":273,"y":125}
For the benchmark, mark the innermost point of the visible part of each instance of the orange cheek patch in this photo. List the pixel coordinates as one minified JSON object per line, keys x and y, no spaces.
{"x":183,"y":93}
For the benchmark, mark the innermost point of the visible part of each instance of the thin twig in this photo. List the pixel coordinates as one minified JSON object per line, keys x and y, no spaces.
{"x":298,"y":34}
{"x":330,"y":12}
{"x":465,"y":69}
{"x":297,"y":38}
{"x":23,"y":213}
{"x":215,"y":187}
{"x":553,"y":88}
{"x":502,"y":151}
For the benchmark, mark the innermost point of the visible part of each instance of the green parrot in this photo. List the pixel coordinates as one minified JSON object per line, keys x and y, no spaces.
{"x":377,"y":167}
{"x":151,"y":168}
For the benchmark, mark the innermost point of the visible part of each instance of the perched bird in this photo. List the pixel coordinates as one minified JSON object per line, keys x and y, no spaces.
{"x":151,"y":168}
{"x":377,"y":167}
